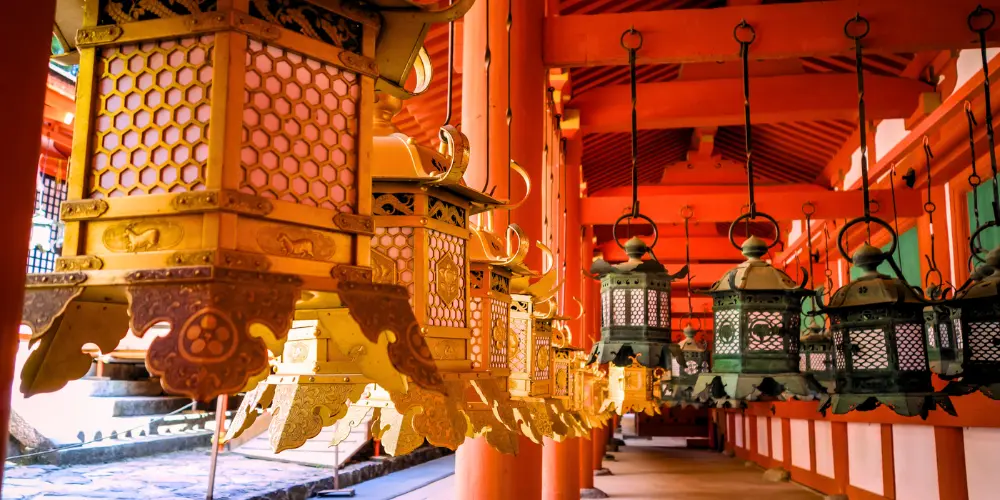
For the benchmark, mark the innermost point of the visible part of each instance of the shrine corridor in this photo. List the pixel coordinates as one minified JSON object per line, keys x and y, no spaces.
{"x":650,"y":470}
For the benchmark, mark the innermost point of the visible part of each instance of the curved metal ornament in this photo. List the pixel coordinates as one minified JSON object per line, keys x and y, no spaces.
{"x":300,"y":411}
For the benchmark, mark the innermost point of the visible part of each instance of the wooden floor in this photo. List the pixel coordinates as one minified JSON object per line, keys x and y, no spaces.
{"x":647,"y":471}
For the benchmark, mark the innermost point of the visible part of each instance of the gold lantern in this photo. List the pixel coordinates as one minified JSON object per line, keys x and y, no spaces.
{"x":220,"y":172}
{"x":631,"y":388}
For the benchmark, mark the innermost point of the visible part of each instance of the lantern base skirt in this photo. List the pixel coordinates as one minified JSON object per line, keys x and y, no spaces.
{"x":648,"y":354}
{"x":907,"y":405}
{"x":982,"y":381}
{"x":745,"y":387}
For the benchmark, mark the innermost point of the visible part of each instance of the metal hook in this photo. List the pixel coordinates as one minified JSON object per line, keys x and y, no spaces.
{"x":634,"y":32}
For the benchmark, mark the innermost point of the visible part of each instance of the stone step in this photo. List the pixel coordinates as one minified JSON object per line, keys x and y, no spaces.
{"x":135,"y":406}
{"x":113,"y":450}
{"x":148,"y":425}
{"x":105,"y":387}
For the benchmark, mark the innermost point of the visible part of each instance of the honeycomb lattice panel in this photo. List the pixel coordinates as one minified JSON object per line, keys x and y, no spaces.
{"x":983,"y":339}
{"x":910,"y":347}
{"x":620,"y":303}
{"x":500,"y":319}
{"x":869,"y":350}
{"x":818,"y":362}
{"x":153,"y":107}
{"x":638,"y":312}
{"x":653,"y":309}
{"x":517,"y":345}
{"x":443,"y":312}
{"x":765,"y":331}
{"x":605,"y":309}
{"x":665,"y":308}
{"x":397,"y":244}
{"x":727,"y":332}
{"x":543,"y":357}
{"x":299,"y":129}
{"x":959,"y":334}
{"x":803,"y":366}
{"x":931,"y":336}
{"x":945,"y":341}
{"x":838,"y":350}
{"x":476,"y":323}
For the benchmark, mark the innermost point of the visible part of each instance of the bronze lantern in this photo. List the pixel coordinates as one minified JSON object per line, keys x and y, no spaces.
{"x":690,"y":359}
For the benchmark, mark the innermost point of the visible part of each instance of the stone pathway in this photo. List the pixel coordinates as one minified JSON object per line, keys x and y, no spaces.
{"x":184,"y":475}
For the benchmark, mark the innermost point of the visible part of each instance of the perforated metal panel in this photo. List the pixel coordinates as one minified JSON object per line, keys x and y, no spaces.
{"x":653,"y":309}
{"x":498,"y":334}
{"x":910,"y":347}
{"x":869,"y":349}
{"x":764,"y":331}
{"x":620,"y":309}
{"x":517,"y":345}
{"x":818,"y":362}
{"x":397,"y":244}
{"x":931,"y":336}
{"x":445,"y":248}
{"x":605,"y":309}
{"x":476,"y":323}
{"x":959,"y":336}
{"x":727,"y":332}
{"x":299,"y":129}
{"x":637,"y":312}
{"x":838,"y":350}
{"x":983,"y":339}
{"x":153,"y":107}
{"x":945,"y":338}
{"x":803,"y":367}
{"x":665,"y":308}
{"x":543,"y":357}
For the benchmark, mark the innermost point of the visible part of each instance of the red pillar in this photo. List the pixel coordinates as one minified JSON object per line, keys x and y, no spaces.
{"x":483,"y":473}
{"x":561,"y":470}
{"x":586,"y":462}
{"x":26,"y":32}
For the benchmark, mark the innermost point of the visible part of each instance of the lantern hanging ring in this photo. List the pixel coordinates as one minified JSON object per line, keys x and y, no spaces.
{"x":687,"y":212}
{"x":857,"y":20}
{"x":744,"y":27}
{"x":748,"y":216}
{"x":980,"y":13}
{"x":634,"y":33}
{"x":614,"y":229}
{"x":808,"y":209}
{"x":858,"y":220}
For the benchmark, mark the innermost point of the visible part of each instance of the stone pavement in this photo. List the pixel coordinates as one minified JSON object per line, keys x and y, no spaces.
{"x":184,"y":475}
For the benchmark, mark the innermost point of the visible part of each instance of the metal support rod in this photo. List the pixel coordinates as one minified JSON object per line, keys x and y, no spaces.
{"x":221,"y":403}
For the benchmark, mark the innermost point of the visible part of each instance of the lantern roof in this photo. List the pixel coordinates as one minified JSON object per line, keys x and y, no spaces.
{"x":690,"y":344}
{"x":755,"y":274}
{"x":508,"y":251}
{"x":873,"y":287}
{"x":815,"y":335}
{"x":635,"y":249}
{"x":987,"y":279}
{"x":397,"y":157}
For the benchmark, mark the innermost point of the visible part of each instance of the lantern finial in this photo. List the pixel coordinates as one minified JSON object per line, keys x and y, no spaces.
{"x":635,"y":248}
{"x":868,"y":258}
{"x":754,"y":248}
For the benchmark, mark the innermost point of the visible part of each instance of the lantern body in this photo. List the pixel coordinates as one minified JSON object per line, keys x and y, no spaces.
{"x":880,"y":355}
{"x":529,"y":350}
{"x":220,"y":156}
{"x":944,"y":343}
{"x":816,"y":356}
{"x":755,"y":352}
{"x":565,"y":367}
{"x":975,"y":320}
{"x":631,"y":389}
{"x":490,"y":317}
{"x":635,"y":310}
{"x":689,"y":359}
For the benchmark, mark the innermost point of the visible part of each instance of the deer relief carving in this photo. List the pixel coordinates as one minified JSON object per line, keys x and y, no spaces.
{"x":302,"y":247}
{"x":137,"y":241}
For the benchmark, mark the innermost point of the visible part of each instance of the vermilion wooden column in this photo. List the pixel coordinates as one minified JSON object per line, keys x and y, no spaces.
{"x":26,"y":35}
{"x":561,"y":469}
{"x":482,"y":473}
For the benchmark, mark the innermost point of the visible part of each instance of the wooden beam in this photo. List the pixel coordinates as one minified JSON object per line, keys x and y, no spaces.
{"x":783,"y":206}
{"x":705,"y":103}
{"x":672,"y":250}
{"x":810,"y":29}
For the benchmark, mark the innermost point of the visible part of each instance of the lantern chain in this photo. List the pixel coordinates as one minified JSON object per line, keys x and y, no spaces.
{"x":510,"y":111}
{"x":826,"y":250}
{"x":635,"y":132}
{"x":974,"y":179}
{"x":487,"y":60}
{"x":862,"y":119}
{"x":981,"y":31}
{"x":451,"y":71}
{"x":929,"y":209}
{"x":687,"y":213}
{"x":745,"y":55}
{"x":892,"y":192}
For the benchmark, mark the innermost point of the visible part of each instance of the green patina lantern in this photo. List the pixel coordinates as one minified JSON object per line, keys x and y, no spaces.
{"x":944,"y":343}
{"x":690,"y":359}
{"x":757,"y":311}
{"x":635,"y":309}
{"x":816,"y":354}
{"x":880,"y":355}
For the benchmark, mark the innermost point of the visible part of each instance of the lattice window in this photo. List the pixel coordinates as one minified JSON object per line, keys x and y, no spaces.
{"x":983,"y":341}
{"x":910,"y":347}
{"x":499,"y":318}
{"x":605,"y":309}
{"x":299,"y":129}
{"x":653,"y":309}
{"x":675,"y":367}
{"x":665,"y":308}
{"x":764,"y":329}
{"x":153,"y":107}
{"x":637,"y":312}
{"x":931,"y":337}
{"x":727,"y":331}
{"x":818,"y":362}
{"x":690,"y":367}
{"x":50,"y":193}
{"x":476,"y":323}
{"x":803,"y":367}
{"x":397,"y":244}
{"x":517,"y":347}
{"x":839,"y":356}
{"x":959,"y":334}
{"x":620,"y":306}
{"x":945,"y":340}
{"x":446,"y":279}
{"x":868,"y":349}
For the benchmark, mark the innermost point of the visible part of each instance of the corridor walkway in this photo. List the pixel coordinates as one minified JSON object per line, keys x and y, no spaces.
{"x":647,"y":471}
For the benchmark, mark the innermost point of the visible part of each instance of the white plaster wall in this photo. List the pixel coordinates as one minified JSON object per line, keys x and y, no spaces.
{"x":888,"y":133}
{"x":762,"y":441}
{"x":864,"y":455}
{"x":982,"y":454}
{"x":853,"y":173}
{"x":915,"y":458}
{"x":799,"y":430}
{"x":970,"y":63}
{"x":778,"y":440}
{"x":739,"y":431}
{"x":824,"y":449}
{"x":746,"y":432}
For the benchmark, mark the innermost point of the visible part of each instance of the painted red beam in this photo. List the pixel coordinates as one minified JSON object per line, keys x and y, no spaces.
{"x":787,"y":98}
{"x":809,"y":29}
{"x":672,"y":250}
{"x":783,"y":206}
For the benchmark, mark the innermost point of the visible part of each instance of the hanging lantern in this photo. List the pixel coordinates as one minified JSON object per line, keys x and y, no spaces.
{"x":689,"y":360}
{"x":630,"y":388}
{"x":756,"y":307}
{"x":816,"y":354}
{"x":877,"y":321}
{"x":964,"y":348}
{"x":171,"y":218}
